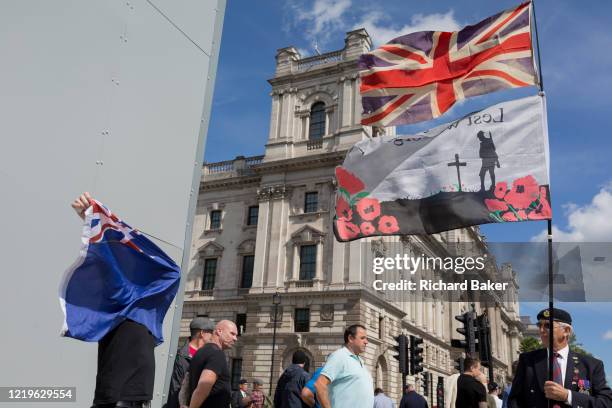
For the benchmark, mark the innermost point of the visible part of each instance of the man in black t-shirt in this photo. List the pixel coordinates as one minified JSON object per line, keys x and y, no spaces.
{"x":209,"y":377}
{"x":126,"y":367}
{"x":471,"y":393}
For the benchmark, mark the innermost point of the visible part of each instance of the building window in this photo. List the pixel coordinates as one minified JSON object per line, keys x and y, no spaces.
{"x":241,"y":322}
{"x":381,"y":321}
{"x":210,"y":270}
{"x":253,"y":215}
{"x":308,"y":262}
{"x":311,"y":202}
{"x":247,"y":271}
{"x":215,"y":219}
{"x":236,"y":372}
{"x":317,"y":121}
{"x":302,"y":320}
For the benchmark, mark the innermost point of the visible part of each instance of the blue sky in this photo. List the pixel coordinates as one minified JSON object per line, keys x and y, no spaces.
{"x":576,"y":44}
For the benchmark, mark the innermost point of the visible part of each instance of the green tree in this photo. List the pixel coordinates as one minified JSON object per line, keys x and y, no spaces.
{"x":529,"y":344}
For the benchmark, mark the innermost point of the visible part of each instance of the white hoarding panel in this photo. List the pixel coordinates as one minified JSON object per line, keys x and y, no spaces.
{"x":111,"y":97}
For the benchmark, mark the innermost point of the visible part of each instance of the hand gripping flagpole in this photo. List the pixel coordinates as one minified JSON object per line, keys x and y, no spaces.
{"x":551,"y":355}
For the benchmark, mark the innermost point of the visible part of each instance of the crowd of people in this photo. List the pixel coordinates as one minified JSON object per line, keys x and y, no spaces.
{"x":345,"y":382}
{"x":201,"y":377}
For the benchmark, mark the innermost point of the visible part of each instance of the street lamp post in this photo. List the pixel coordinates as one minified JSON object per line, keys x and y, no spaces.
{"x":276,"y":299}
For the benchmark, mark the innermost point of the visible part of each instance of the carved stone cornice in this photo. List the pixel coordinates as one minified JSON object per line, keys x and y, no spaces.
{"x":348,"y":68}
{"x":285,"y":90}
{"x":304,"y":113}
{"x":275,"y":192}
{"x":298,"y":163}
{"x":228,"y":182}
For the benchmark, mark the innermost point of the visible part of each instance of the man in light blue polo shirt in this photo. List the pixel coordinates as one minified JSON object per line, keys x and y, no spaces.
{"x":345,"y":382}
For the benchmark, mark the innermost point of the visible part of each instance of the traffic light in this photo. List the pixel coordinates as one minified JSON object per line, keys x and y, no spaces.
{"x":468,"y":331}
{"x":425,"y":383}
{"x":402,"y":353}
{"x":459,"y":364}
{"x":416,"y":355}
{"x":483,"y":330}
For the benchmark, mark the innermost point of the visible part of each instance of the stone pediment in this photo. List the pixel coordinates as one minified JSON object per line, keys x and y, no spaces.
{"x":210,"y":249}
{"x":307,"y":234}
{"x":314,"y":95}
{"x":247,"y":247}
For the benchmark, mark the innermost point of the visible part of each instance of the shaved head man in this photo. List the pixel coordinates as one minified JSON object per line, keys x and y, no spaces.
{"x":209,"y":374}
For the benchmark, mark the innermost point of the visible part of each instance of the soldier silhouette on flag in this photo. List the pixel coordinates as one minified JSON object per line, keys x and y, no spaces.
{"x":489,"y":159}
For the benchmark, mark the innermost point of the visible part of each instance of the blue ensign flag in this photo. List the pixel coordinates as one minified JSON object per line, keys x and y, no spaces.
{"x":119,"y":274}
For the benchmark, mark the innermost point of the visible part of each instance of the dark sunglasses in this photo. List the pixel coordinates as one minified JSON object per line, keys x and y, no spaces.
{"x":544,"y":325}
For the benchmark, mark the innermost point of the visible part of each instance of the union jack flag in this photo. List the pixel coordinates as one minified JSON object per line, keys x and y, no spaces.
{"x":419,"y":76}
{"x":103,"y":219}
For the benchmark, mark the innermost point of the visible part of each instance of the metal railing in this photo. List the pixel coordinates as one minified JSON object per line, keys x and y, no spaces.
{"x":307,"y":63}
{"x":239,"y":165}
{"x":314,"y":144}
{"x":219,"y":167}
{"x":304,"y":284}
{"x":251,"y":161}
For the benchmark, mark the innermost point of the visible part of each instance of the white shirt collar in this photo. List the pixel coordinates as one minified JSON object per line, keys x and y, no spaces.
{"x":564,"y":352}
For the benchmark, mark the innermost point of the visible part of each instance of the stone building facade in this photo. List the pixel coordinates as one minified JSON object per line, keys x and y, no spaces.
{"x":264,"y":225}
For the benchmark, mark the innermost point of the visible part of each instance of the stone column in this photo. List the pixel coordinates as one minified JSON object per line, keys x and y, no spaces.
{"x":329,"y":116}
{"x":339,"y":258}
{"x":274,"y":117}
{"x":439,"y":311}
{"x":357,"y":108}
{"x":305,"y":121}
{"x":491,"y":312}
{"x":419,"y":310}
{"x":347,"y":102}
{"x":295,"y":272}
{"x":319,"y":265}
{"x":262,"y":243}
{"x":272,"y":208}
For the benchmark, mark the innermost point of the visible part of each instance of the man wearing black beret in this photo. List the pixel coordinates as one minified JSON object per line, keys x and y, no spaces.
{"x":579,"y":381}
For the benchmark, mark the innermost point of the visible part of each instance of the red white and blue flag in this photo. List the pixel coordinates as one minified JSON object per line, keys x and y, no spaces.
{"x":120,"y":274}
{"x":419,"y":76}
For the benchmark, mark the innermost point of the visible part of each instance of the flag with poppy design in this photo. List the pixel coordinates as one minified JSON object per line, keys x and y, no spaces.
{"x":488,"y":166}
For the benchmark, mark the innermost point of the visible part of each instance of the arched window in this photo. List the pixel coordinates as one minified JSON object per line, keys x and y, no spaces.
{"x":317,"y":121}
{"x":288,"y":355}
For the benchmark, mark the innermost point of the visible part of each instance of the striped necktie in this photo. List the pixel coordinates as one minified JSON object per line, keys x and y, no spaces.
{"x":557,"y":375}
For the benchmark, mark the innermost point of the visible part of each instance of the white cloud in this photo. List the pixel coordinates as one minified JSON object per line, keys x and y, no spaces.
{"x":587,"y":223}
{"x":608,"y":335}
{"x":325,"y":17}
{"x":323,"y":20}
{"x":377,"y":25}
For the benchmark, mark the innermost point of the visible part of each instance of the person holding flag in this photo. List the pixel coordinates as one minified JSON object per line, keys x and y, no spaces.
{"x":117,"y":293}
{"x":578,"y":380}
